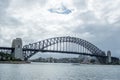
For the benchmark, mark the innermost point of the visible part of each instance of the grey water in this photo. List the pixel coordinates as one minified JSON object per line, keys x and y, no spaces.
{"x":59,"y":71}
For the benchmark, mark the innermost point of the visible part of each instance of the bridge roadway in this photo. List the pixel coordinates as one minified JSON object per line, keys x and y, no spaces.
{"x":114,"y":59}
{"x":6,"y":48}
{"x":41,"y":50}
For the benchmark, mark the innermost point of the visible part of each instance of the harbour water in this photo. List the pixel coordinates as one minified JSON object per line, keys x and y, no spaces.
{"x":59,"y":71}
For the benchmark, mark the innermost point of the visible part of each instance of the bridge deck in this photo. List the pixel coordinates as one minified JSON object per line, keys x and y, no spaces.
{"x":40,"y":50}
{"x":7,"y":48}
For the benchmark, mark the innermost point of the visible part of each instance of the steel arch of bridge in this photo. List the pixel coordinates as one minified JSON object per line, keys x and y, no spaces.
{"x":41,"y":45}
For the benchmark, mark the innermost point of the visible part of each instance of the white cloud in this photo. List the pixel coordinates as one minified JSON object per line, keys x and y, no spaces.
{"x":105,"y":10}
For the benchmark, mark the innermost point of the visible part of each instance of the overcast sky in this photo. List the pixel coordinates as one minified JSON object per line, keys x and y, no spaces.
{"x":97,"y":21}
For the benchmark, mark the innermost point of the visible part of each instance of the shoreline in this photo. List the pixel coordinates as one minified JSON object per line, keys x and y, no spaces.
{"x":15,"y":62}
{"x":81,"y":63}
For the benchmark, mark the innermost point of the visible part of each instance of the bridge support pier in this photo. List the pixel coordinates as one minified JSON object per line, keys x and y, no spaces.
{"x":109,"y":57}
{"x":18,"y":52}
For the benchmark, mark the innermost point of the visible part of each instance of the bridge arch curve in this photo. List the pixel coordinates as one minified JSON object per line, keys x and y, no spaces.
{"x":51,"y":41}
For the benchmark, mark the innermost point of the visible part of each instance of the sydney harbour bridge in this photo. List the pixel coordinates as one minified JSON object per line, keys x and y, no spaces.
{"x":67,"y":44}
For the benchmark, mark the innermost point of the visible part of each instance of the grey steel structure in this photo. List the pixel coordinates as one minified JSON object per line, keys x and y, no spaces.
{"x":41,"y":45}
{"x":63,"y":45}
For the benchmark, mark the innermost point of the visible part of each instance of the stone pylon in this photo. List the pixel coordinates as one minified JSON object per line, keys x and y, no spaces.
{"x":17,"y":45}
{"x":109,"y":57}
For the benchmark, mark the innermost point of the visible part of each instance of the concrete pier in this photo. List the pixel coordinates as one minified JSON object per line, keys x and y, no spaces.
{"x":109,"y":57}
{"x":18,"y":53}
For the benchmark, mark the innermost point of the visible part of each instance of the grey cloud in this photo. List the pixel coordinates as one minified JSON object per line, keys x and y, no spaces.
{"x":29,"y":3}
{"x":105,"y":33}
{"x":5,"y":18}
{"x":87,"y":17}
{"x":4,"y":4}
{"x":105,"y":36}
{"x":80,"y":4}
